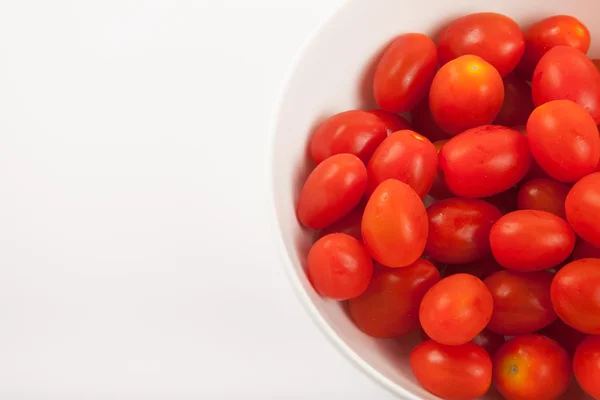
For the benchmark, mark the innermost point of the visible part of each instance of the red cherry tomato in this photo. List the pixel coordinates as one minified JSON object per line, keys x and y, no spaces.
{"x":439,"y":190}
{"x":521,"y":302}
{"x":531,"y":240}
{"x":459,"y":230}
{"x":339,"y":267}
{"x":505,"y":201}
{"x":390,"y":306}
{"x":574,"y":294}
{"x":564,"y":140}
{"x":484,"y":161}
{"x":559,"y":30}
{"x":466,"y":92}
{"x":393,"y":122}
{"x":489,"y":340}
{"x":394,"y":225}
{"x":565,"y":73}
{"x":569,"y":338}
{"x":354,"y":132}
{"x":456,"y":309}
{"x":350,"y":224}
{"x":405,"y":72}
{"x":585,"y":250}
{"x":424,"y":124}
{"x":452,"y":372}
{"x":583,"y":208}
{"x":586,"y":366}
{"x":518,"y":104}
{"x":481,"y":269}
{"x":494,"y":37}
{"x":531,"y":367}
{"x":545,"y":195}
{"x":332,"y":190}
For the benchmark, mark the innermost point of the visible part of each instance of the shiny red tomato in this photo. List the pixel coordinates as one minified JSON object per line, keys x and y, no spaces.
{"x":456,"y":309}
{"x":424,"y":124}
{"x":505,"y":201}
{"x":564,"y":140}
{"x":490,"y":341}
{"x":452,"y":372}
{"x":393,"y":122}
{"x":339,"y":267}
{"x":569,"y":338}
{"x":559,"y":30}
{"x":518,"y":103}
{"x":439,"y":190}
{"x":390,"y":306}
{"x":466,"y":92}
{"x":332,"y":190}
{"x":586,"y":365}
{"x":531,"y":367}
{"x":531,"y":240}
{"x":484,"y":161}
{"x":405,"y":72}
{"x":459,"y":230}
{"x":350,"y":224}
{"x":481,"y":269}
{"x":354,"y":132}
{"x":545,"y":195}
{"x":394,"y":225}
{"x":494,"y":37}
{"x":584,"y":249}
{"x":521,"y":302}
{"x":583,"y":208}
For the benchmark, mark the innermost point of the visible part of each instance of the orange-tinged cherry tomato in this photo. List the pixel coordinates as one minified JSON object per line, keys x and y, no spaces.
{"x":545,"y":195}
{"x":531,"y":367}
{"x":531,"y":240}
{"x":350,"y":224}
{"x":332,"y":190}
{"x":390,"y":306}
{"x":481,"y":269}
{"x":394,"y":225}
{"x":466,"y":92}
{"x":583,"y":208}
{"x":424,"y":124}
{"x":404,"y":73}
{"x":569,"y":338}
{"x":456,"y":309}
{"x":490,"y":341}
{"x":586,"y":365}
{"x":584,"y":249}
{"x":518,"y":103}
{"x":393,"y":122}
{"x":452,"y":372}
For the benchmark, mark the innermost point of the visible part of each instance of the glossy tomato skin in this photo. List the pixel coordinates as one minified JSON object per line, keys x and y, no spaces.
{"x":393,"y":122}
{"x":583,"y":208}
{"x":564,"y":140}
{"x":484,"y":161}
{"x":569,"y":338}
{"x":494,"y":37}
{"x":331,"y":191}
{"x":390,"y":306}
{"x":424,"y":124}
{"x":456,"y":309}
{"x":518,"y":103}
{"x":558,"y":30}
{"x":407,"y":157}
{"x":339,"y":267}
{"x":459,"y":230}
{"x":586,"y":365}
{"x":544,"y":194}
{"x":349,"y":224}
{"x":584,"y":249}
{"x":394,"y":225}
{"x":466,"y":92}
{"x":531,"y":367}
{"x":531,"y":240}
{"x":489,"y":341}
{"x":404,"y":73}
{"x":521,"y":302}
{"x":354,"y":132}
{"x":452,"y":372}
{"x":481,"y":269}
{"x":574,"y":295}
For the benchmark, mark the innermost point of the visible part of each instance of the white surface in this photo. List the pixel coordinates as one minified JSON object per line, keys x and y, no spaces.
{"x":135,"y":259}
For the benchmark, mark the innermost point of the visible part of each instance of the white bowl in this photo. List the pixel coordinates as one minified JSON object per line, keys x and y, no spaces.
{"x":333,"y":73}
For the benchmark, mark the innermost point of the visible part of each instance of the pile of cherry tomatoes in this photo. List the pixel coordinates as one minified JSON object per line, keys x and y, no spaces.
{"x":501,"y":272}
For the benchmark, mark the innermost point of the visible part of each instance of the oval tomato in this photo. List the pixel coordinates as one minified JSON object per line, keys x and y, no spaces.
{"x":481,"y":269}
{"x":584,"y":249}
{"x":466,"y":92}
{"x":350,"y":224}
{"x":586,"y":365}
{"x":424,"y":124}
{"x":545,"y":195}
{"x":404,"y":73}
{"x":484,"y":161}
{"x":394,"y":225}
{"x":332,"y":190}
{"x":393,"y":122}
{"x":518,"y":103}
{"x":569,"y":338}
{"x":583,"y":208}
{"x":390,"y":306}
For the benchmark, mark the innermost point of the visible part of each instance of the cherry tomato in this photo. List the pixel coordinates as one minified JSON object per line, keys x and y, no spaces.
{"x":354,"y":132}
{"x":439,"y":190}
{"x":586,"y":365}
{"x":564,"y":335}
{"x":456,"y":309}
{"x":332,"y":190}
{"x":531,"y":367}
{"x":565,"y":73}
{"x":489,"y":340}
{"x":393,"y":122}
{"x":559,"y":30}
{"x":339,"y":266}
{"x":350,"y":224}
{"x":564,"y":140}
{"x":424,"y":124}
{"x":405,"y":72}
{"x":484,"y":161}
{"x":494,"y":37}
{"x":518,"y":103}
{"x":452,"y":372}
{"x":466,"y":92}
{"x":545,"y":195}
{"x":521,"y":302}
{"x":407,"y":157}
{"x":394,"y":225}
{"x":585,"y":250}
{"x":574,"y":294}
{"x":390,"y":306}
{"x":459,"y":230}
{"x":481,"y":269}
{"x":583,"y":208}
{"x":505,"y":201}
{"x":531,"y":240}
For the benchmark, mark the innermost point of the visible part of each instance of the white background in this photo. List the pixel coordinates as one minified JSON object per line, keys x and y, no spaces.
{"x":135,"y":257}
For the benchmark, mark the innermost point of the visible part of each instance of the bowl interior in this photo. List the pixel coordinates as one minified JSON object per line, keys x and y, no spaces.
{"x":334,"y":73}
